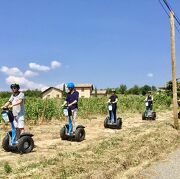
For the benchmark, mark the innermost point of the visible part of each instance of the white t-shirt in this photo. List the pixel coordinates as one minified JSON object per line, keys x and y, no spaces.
{"x":17,"y":110}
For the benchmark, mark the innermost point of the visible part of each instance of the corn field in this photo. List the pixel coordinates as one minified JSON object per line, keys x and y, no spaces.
{"x":37,"y":109}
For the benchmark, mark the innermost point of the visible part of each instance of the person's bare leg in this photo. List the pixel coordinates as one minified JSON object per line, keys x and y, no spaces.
{"x":74,"y":116}
{"x":19,"y":131}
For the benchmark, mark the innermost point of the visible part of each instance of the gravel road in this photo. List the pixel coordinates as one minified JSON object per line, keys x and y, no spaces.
{"x":169,"y":168}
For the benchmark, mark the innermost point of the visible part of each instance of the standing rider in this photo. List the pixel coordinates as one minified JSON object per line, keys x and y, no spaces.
{"x":72,"y":103}
{"x":149,"y":99}
{"x":113,"y":99}
{"x":16,"y":102}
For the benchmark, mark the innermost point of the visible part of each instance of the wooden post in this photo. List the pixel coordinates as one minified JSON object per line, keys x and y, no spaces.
{"x":174,"y":81}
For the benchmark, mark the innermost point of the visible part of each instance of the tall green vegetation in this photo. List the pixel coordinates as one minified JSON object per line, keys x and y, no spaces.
{"x":36,"y":108}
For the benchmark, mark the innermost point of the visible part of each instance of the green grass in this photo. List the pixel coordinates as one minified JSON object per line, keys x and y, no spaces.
{"x":7,"y":168}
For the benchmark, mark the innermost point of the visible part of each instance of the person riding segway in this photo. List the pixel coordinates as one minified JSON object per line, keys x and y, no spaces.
{"x":70,"y":130}
{"x":112,"y":121}
{"x":149,"y":114}
{"x":16,"y":139}
{"x":113,"y":99}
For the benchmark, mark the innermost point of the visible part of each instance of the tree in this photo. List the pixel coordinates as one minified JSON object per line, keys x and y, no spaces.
{"x":64,"y":91}
{"x":109,"y":90}
{"x":134,"y":90}
{"x":153,"y":88}
{"x":145,"y":89}
{"x":122,"y":89}
{"x":95,"y":92}
{"x":32,"y":93}
{"x":169,"y":88}
{"x":5,"y":94}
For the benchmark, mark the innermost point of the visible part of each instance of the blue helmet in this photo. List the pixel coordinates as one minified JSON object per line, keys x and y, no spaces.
{"x":70,"y":85}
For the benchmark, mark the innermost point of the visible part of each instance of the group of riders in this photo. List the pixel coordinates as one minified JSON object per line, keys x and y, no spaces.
{"x":16,"y":103}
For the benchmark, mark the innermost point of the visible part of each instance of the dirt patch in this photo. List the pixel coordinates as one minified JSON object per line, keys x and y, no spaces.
{"x":105,"y":153}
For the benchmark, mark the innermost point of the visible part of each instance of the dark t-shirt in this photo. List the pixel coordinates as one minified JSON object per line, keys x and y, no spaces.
{"x":71,"y":98}
{"x":149,"y":98}
{"x":150,"y":101}
{"x":113,"y":99}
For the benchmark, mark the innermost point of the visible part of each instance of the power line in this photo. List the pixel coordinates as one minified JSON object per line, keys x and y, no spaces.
{"x":177,"y":19}
{"x":177,"y":29}
{"x":164,"y":8}
{"x":170,"y":9}
{"x":168,"y":6}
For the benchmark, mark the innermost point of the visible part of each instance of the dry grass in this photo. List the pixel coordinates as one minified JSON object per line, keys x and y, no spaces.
{"x":117,"y":154}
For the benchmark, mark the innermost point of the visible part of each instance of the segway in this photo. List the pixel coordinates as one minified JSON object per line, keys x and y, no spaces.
{"x":67,"y":132}
{"x":24,"y":144}
{"x":149,"y":114}
{"x":111,"y":122}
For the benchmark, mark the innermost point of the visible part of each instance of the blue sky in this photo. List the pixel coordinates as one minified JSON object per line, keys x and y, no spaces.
{"x":104,"y":42}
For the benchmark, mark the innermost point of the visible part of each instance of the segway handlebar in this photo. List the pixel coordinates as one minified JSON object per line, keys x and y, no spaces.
{"x":5,"y":109}
{"x":7,"y":115}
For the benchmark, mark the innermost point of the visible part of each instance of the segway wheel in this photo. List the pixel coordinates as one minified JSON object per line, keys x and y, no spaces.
{"x":119,"y":123}
{"x":143,"y":116}
{"x":63,"y":134}
{"x":25,"y":144}
{"x":80,"y":134}
{"x":6,"y":146}
{"x":154,"y":116}
{"x":106,"y":122}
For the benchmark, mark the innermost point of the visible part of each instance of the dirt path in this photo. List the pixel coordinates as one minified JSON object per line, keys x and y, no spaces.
{"x":47,"y":139}
{"x":48,"y":142}
{"x":168,"y":168}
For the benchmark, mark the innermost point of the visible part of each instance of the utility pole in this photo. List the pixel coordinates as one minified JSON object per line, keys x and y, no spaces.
{"x":174,"y":81}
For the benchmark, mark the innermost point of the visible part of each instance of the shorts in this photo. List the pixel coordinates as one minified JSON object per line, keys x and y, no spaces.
{"x":19,"y":122}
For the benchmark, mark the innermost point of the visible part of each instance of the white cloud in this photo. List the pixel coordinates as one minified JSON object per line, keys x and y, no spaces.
{"x":29,"y":73}
{"x":14,"y":71}
{"x":55,"y":64}
{"x":25,"y":83}
{"x":150,"y":75}
{"x":15,"y":75}
{"x":11,"y":71}
{"x":38,"y":67}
